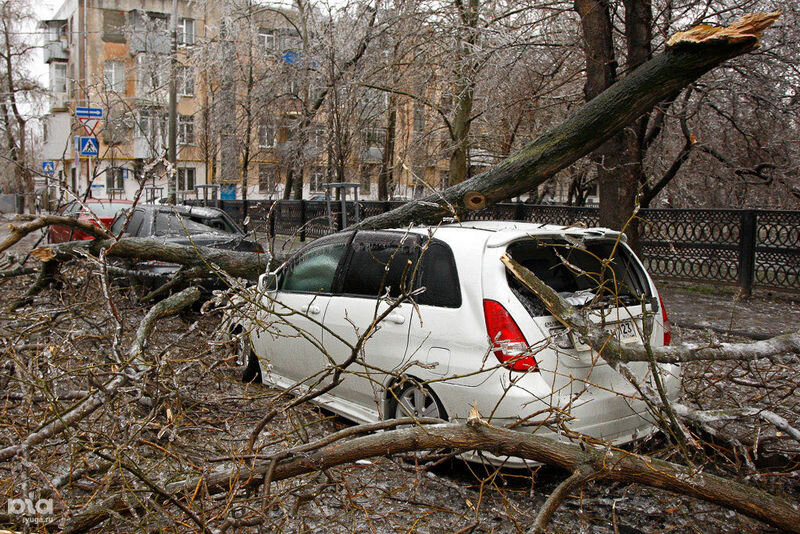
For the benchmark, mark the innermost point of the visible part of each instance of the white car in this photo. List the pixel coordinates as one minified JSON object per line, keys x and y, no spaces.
{"x":474,"y":336}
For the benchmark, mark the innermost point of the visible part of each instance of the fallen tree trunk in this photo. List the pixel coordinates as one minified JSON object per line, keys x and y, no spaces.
{"x":688,"y":56}
{"x":18,"y":231}
{"x":207,"y":260}
{"x":605,"y":464}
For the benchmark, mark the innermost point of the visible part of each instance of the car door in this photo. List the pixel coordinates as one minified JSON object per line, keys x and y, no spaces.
{"x":288,"y":330}
{"x":378,"y":266}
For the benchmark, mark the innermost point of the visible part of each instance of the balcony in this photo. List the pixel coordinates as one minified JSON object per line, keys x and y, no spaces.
{"x":56,"y":51}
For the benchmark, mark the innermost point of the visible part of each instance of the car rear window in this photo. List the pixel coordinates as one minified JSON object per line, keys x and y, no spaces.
{"x":581,"y":273}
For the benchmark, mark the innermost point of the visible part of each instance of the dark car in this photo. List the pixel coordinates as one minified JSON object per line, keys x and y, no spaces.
{"x":184,"y":225}
{"x":103,"y":210}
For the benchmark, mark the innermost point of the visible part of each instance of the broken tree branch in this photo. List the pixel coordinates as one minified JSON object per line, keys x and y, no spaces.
{"x":238,"y":264}
{"x":59,"y":423}
{"x":688,"y":56}
{"x":614,"y":352}
{"x":20,"y":231}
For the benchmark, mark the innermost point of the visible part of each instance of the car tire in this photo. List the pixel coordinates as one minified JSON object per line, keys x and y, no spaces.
{"x":252,"y":370}
{"x":416,"y":400}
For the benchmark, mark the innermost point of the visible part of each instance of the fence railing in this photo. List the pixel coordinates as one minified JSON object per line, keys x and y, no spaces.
{"x":748,"y":248}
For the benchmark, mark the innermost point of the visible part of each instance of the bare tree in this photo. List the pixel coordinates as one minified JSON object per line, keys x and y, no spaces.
{"x":17,"y":88}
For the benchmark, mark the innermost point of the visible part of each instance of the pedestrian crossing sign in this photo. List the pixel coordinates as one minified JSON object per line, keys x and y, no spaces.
{"x":89,"y":146}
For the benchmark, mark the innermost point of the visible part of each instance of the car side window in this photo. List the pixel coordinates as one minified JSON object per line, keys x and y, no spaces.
{"x":439,"y":277}
{"x":380,"y":261}
{"x":136,"y":222}
{"x":314,"y":271}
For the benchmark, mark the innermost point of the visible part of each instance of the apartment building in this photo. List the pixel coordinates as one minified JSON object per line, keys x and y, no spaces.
{"x":248,"y":138}
{"x":109,"y":61}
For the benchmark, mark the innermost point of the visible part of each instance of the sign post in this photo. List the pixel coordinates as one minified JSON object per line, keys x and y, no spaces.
{"x":88,"y":146}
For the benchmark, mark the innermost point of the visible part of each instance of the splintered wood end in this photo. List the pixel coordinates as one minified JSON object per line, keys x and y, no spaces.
{"x":43,"y":254}
{"x":749,"y":27}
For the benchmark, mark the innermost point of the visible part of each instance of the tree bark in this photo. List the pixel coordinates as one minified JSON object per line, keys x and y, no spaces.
{"x":685,"y":59}
{"x":247,"y":265}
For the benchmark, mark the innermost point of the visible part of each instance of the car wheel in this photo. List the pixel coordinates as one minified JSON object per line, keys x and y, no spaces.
{"x":245,"y":356}
{"x":415,"y":400}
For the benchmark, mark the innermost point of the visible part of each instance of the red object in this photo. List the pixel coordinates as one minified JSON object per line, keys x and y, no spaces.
{"x":103,"y":209}
{"x":667,"y":324}
{"x":509,"y":342}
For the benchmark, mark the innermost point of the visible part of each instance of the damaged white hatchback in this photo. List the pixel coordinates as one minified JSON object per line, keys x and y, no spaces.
{"x":445,"y":326}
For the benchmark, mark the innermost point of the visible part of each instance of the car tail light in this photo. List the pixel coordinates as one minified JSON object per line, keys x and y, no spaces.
{"x":667,"y":324}
{"x":509,"y":342}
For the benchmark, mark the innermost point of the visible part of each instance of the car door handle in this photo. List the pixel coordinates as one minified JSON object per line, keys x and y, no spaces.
{"x":396,"y":318}
{"x":310,"y":309}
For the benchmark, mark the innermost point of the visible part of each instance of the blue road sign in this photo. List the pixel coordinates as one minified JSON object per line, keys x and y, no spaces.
{"x":49,"y":168}
{"x":228,"y":192}
{"x":89,"y":113}
{"x":89,"y":146}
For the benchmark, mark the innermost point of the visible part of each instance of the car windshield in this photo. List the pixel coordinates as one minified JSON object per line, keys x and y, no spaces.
{"x":171,"y":224}
{"x":581,"y":273}
{"x":107,"y":210}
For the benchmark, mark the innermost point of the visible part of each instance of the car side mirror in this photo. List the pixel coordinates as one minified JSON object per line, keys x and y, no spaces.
{"x":268,"y":282}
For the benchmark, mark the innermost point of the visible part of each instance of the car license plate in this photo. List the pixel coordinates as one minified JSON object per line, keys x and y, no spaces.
{"x":626,"y":331}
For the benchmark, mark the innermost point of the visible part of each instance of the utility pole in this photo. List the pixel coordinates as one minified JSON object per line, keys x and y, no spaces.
{"x":172,"y":125}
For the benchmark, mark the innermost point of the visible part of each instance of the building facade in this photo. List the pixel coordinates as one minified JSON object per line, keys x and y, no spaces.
{"x":112,"y":58}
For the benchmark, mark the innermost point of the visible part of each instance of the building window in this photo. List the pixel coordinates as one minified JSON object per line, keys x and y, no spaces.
{"x":115,"y":178}
{"x":374,"y":136}
{"x":266,"y":38}
{"x":185,"y":81}
{"x":58,"y":78}
{"x":186,"y":31}
{"x":186,"y":179}
{"x":444,"y":179}
{"x":317,"y":178}
{"x":317,"y":138}
{"x":186,"y":129}
{"x":419,"y":118}
{"x":266,"y":136}
{"x":152,"y":124}
{"x":292,"y":88}
{"x":266,"y":179}
{"x":114,"y":76}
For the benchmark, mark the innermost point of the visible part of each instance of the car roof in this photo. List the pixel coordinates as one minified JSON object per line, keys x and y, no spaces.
{"x":501,"y":233}
{"x":198,"y":211}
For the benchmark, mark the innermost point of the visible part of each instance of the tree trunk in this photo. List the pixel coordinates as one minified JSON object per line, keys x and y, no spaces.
{"x":387,"y":161}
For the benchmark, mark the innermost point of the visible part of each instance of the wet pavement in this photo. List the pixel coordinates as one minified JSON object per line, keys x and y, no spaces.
{"x":721,"y":309}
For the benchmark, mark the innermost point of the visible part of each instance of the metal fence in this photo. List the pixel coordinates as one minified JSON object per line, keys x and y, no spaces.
{"x":749,"y":248}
